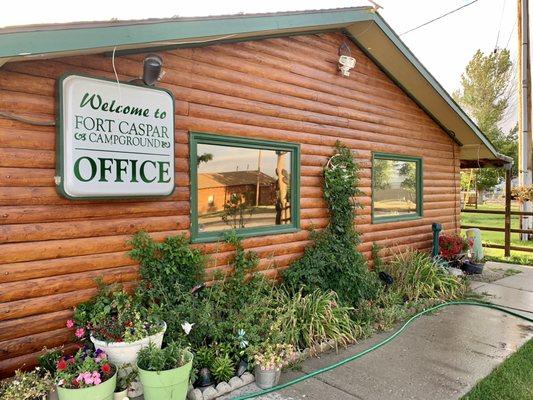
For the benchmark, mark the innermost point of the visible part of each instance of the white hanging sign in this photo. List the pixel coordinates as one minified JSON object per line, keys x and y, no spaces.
{"x":114,"y":140}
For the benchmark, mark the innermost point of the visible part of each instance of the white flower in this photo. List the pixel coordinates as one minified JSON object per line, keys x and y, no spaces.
{"x":187,"y":327}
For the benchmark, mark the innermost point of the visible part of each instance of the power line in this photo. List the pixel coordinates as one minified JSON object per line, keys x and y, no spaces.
{"x":439,"y":17}
{"x":510,"y":35}
{"x":500,"y":25}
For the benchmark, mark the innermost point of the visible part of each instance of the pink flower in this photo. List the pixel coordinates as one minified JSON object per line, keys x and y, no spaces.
{"x":96,"y":378}
{"x":70,"y":323}
{"x":80,"y":332}
{"x":85,"y":377}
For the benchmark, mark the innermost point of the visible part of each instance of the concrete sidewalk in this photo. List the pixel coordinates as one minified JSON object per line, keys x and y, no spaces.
{"x":439,"y":356}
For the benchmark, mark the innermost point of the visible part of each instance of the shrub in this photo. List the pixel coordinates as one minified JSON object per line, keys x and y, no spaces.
{"x":48,"y":360}
{"x":333,"y":261}
{"x":223,"y":368}
{"x":172,"y":356}
{"x":26,"y":386}
{"x":314,"y":318}
{"x":167,"y":264}
{"x":274,"y":356}
{"x":416,"y":275}
{"x":113,"y":316}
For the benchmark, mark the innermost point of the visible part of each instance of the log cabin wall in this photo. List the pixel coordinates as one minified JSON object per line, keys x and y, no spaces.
{"x":285,"y":89}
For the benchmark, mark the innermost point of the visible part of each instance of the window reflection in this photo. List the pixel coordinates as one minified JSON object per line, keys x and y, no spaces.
{"x":395,"y":188}
{"x":242,"y":187}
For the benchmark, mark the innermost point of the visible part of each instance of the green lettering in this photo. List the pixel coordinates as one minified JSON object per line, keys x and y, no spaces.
{"x":77,"y":172}
{"x":142,"y":172}
{"x":104,"y":168}
{"x":163,"y":170}
{"x":120,"y":168}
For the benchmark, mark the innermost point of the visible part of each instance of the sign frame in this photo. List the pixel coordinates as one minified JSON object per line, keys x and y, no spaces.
{"x":60,"y":137}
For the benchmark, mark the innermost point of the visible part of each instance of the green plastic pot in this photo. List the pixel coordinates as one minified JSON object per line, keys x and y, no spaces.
{"x":172,"y":384}
{"x":103,"y":391}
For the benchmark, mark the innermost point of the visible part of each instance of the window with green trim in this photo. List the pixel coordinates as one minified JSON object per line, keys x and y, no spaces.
{"x":249,"y":185}
{"x":396,"y":187}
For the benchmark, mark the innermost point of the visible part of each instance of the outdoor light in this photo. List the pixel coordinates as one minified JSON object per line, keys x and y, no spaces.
{"x":346,"y":61}
{"x":152,"y":69}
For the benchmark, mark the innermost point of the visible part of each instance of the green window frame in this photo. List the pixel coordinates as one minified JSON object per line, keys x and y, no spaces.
{"x":196,"y":138}
{"x":419,"y":187}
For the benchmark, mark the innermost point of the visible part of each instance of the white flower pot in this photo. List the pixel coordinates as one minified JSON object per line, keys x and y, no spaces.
{"x":120,"y":353}
{"x":121,"y":395}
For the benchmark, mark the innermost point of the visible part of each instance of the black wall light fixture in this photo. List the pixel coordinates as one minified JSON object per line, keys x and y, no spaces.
{"x":152,"y":69}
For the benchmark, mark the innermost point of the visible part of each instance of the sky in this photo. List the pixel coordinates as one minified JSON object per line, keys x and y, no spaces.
{"x":444,"y":46}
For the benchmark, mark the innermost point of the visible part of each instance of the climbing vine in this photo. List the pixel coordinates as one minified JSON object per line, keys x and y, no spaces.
{"x":333,"y":261}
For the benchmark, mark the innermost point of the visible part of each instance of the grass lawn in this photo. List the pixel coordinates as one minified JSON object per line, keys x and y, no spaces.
{"x":517,"y":257}
{"x":511,"y":380}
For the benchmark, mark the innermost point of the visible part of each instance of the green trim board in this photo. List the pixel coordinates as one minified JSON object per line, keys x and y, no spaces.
{"x":31,"y":40}
{"x":419,"y":187}
{"x":196,"y":138}
{"x":415,"y":62}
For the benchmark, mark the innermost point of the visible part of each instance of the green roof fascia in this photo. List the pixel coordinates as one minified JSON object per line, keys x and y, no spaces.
{"x":67,"y":38}
{"x":141,"y":33}
{"x":408,"y":54}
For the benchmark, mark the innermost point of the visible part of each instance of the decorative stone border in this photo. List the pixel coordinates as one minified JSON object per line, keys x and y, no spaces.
{"x":234,"y":383}
{"x":221,"y":389}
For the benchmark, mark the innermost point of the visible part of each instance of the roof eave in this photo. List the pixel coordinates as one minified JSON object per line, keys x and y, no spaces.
{"x":365,"y":27}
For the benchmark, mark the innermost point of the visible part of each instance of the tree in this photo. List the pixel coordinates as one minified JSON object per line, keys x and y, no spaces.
{"x":484,"y":95}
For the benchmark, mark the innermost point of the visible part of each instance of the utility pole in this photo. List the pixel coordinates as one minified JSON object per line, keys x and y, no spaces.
{"x":525,"y":161}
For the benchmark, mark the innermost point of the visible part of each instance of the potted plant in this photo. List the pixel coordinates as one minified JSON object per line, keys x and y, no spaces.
{"x":33,"y":385}
{"x":451,"y":246}
{"x":117,"y":323}
{"x":164,"y":373}
{"x":126,"y":375}
{"x":268,"y":362}
{"x":47,"y":362}
{"x":86,"y":375}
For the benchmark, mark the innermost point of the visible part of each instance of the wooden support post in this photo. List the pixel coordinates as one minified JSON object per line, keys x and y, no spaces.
{"x":507,"y":239}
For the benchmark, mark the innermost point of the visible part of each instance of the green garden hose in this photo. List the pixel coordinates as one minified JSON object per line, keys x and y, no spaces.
{"x":378,"y":345}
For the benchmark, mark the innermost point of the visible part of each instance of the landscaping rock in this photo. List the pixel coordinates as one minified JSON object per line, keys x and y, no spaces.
{"x":223,"y":388}
{"x":210,"y":393}
{"x":195,"y":394}
{"x":247,"y":378}
{"x":235,"y":382}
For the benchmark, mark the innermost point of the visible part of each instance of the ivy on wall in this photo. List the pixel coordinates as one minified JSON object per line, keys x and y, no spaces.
{"x":333,"y":261}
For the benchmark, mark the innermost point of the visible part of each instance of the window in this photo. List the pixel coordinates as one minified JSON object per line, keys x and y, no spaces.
{"x":396,"y":187}
{"x":248,"y":185}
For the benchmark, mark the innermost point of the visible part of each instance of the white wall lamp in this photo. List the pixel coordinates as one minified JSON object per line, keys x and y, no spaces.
{"x":346,"y":61}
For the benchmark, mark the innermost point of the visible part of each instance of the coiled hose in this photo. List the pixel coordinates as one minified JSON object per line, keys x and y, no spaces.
{"x":382,"y":343}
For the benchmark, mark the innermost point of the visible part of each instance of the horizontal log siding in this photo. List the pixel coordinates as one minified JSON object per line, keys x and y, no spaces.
{"x":288,"y":89}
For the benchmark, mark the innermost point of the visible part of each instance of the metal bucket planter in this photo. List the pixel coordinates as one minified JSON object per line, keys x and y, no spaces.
{"x":266,"y":378}
{"x":52,"y":395}
{"x":103,"y":391}
{"x":120,"y":353}
{"x":172,"y":384}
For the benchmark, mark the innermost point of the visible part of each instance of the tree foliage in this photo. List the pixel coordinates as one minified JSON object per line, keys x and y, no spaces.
{"x":485,"y":95}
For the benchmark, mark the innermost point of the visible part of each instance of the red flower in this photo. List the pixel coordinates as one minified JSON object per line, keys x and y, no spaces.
{"x":61,"y":365}
{"x":106,"y":369}
{"x":75,"y":382}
